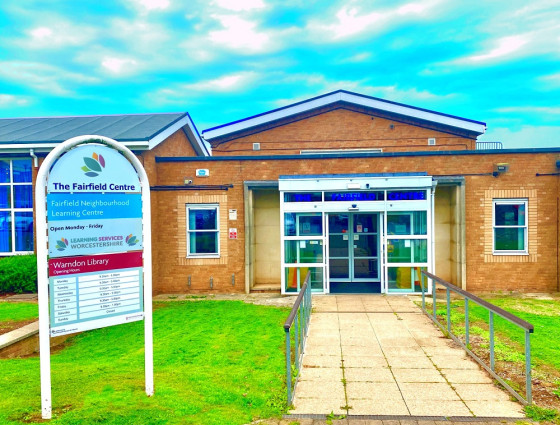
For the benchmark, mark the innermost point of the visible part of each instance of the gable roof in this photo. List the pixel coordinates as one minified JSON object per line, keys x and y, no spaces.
{"x":341,"y":98}
{"x":136,"y":131}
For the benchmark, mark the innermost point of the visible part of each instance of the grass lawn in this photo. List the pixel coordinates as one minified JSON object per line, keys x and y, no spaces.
{"x":13,"y":313}
{"x":509,"y":343}
{"x":215,"y":362}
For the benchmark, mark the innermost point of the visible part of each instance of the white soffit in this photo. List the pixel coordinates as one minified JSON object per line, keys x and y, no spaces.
{"x":349,"y":98}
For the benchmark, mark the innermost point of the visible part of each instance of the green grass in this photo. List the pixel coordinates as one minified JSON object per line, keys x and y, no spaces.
{"x":18,"y":312}
{"x":215,"y":362}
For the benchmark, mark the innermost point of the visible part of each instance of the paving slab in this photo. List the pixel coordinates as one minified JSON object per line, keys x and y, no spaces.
{"x":380,"y":355}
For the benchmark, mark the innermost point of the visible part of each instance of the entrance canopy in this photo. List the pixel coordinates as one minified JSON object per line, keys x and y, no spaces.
{"x":356,"y":232}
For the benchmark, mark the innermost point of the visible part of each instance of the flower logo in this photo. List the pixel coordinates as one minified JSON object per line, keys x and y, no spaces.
{"x":131,"y":240}
{"x":62,"y":244}
{"x":94,"y":165}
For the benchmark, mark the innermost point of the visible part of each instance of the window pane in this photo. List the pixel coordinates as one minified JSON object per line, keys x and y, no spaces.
{"x":338,"y":223}
{"x":5,"y":198}
{"x":365,"y":246}
{"x":303,"y":197}
{"x":23,"y":196}
{"x":366,"y":223}
{"x":295,"y":278}
{"x":509,"y":239}
{"x":4,"y":171}
{"x":404,"y":279}
{"x":203,"y":242}
{"x":398,"y":223}
{"x":303,"y":251}
{"x":22,"y":170}
{"x":203,"y":219}
{"x":407,"y":251}
{"x":510,"y":215}
{"x":338,"y":246}
{"x":5,"y":231}
{"x":24,"y":231}
{"x":303,"y":224}
{"x":402,"y":223}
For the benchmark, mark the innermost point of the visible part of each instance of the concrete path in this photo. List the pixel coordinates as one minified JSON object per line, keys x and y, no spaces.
{"x":380,"y":355}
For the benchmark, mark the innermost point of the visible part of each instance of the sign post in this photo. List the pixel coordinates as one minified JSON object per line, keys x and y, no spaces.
{"x":94,"y":262}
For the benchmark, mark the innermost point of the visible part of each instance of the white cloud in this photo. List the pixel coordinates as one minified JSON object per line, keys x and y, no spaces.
{"x":239,"y":34}
{"x":549,"y":110}
{"x":239,"y":5}
{"x":58,"y":33}
{"x":353,"y":21}
{"x":505,"y":46}
{"x":9,"y":100}
{"x":226,"y":83}
{"x":526,"y":136}
{"x":42,"y":77}
{"x":119,"y":65}
{"x":150,"y":5}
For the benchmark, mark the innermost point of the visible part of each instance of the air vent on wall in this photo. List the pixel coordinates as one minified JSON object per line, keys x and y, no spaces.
{"x":432,"y":141}
{"x":256,"y":146}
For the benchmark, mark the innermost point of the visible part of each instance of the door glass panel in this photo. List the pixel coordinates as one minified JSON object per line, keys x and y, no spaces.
{"x":338,"y":268}
{"x":407,"y":250}
{"x":365,"y":223}
{"x":306,"y":251}
{"x":365,"y":246}
{"x":404,"y":279}
{"x":338,"y":223}
{"x":338,"y":245}
{"x":365,"y":268}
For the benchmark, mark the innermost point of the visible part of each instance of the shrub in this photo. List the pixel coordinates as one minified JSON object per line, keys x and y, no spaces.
{"x":18,"y":274}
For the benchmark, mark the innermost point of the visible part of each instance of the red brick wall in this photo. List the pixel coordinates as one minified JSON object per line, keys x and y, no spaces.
{"x":538,"y":272}
{"x":342,"y":129}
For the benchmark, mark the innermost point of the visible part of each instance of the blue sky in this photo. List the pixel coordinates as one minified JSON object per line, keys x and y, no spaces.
{"x":221,"y":60}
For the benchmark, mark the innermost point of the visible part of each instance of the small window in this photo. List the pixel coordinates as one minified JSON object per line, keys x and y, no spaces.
{"x":510,"y":226}
{"x":203,"y":232}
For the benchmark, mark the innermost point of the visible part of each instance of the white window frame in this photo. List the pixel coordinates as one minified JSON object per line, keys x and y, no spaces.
{"x":217,"y":231}
{"x":522,"y":201}
{"x":12,"y":209}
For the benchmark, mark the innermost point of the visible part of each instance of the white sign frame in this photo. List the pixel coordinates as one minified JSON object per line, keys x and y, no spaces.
{"x":42,"y":262}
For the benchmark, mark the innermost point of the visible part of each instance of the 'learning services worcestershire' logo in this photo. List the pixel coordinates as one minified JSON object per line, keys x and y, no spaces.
{"x":62,"y":244}
{"x":94,"y":165}
{"x":131,"y":240}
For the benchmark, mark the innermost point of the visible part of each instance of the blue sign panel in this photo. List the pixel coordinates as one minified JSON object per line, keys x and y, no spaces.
{"x":93,"y":206}
{"x":353,"y":196}
{"x":406,"y":195}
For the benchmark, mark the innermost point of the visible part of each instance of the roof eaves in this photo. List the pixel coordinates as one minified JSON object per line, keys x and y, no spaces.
{"x":184,"y":121}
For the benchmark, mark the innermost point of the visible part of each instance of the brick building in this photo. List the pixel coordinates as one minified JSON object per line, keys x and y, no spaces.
{"x":360,"y":192}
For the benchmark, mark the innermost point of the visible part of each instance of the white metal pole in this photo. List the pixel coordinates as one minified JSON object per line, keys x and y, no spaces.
{"x":43,"y":290}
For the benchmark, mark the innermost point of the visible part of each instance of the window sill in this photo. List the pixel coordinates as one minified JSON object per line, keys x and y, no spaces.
{"x":499,"y":253}
{"x":192,"y":257}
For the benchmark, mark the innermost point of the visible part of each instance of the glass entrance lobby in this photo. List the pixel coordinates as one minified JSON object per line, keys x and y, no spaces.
{"x":365,"y":233}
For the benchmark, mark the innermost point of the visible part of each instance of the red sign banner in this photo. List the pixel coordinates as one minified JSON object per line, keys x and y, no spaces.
{"x":94,"y":263}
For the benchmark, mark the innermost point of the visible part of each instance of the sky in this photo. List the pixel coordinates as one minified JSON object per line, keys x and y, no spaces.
{"x":494,"y":61}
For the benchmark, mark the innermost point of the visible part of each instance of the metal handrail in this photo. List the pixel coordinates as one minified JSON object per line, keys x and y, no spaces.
{"x":298,"y":318}
{"x":492,"y":309}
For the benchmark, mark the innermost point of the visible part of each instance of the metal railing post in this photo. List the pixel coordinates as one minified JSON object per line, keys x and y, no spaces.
{"x":296,"y":342}
{"x":448,"y":310}
{"x":467,"y":336}
{"x":423,"y":295}
{"x":528,"y":380}
{"x":434,"y":298}
{"x":288,"y":367}
{"x":491,"y":326}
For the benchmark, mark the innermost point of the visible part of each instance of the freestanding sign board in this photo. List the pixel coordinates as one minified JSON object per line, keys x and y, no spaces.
{"x":93,"y":245}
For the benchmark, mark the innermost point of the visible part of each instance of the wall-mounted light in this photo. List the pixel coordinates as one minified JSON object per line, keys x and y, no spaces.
{"x":500,"y":168}
{"x":188,"y":180}
{"x":391,"y":126}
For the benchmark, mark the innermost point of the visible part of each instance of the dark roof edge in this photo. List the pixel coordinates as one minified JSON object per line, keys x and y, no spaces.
{"x":359,"y":155}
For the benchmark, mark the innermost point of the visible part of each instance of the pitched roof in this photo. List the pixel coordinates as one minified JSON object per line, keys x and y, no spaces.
{"x":136,"y":131}
{"x":342,"y":97}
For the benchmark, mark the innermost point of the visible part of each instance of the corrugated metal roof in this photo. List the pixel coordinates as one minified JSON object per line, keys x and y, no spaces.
{"x":123,"y":128}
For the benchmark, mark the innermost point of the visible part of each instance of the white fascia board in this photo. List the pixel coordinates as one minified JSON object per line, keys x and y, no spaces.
{"x":341,"y":183}
{"x":185,"y":121}
{"x":350,"y":98}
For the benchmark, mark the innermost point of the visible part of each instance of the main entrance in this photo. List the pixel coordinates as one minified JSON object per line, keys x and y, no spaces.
{"x":353,"y":252}
{"x":361,"y":233}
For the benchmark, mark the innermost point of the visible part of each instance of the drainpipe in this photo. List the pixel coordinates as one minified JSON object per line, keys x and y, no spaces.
{"x":35,"y":159}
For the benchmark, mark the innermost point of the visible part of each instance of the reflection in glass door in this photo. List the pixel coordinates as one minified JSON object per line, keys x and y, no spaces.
{"x":354,"y":252}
